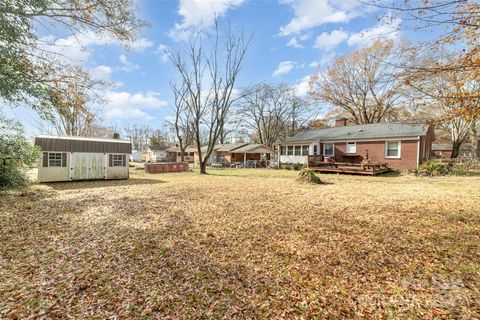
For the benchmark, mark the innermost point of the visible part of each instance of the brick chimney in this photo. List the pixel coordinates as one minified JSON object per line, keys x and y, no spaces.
{"x":116,"y":135}
{"x":341,"y":122}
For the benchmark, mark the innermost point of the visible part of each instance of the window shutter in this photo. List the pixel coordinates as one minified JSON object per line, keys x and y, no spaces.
{"x":45,"y":159}
{"x":110,"y":160}
{"x":64,"y":159}
{"x":124,"y":160}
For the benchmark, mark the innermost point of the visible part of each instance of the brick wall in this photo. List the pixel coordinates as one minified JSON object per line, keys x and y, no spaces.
{"x":376,"y":152}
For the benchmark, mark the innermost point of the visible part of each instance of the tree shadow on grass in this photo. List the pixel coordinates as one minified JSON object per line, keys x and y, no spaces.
{"x":89,"y":184}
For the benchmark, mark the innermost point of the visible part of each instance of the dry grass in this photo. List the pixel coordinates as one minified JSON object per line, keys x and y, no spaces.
{"x":242,"y":244}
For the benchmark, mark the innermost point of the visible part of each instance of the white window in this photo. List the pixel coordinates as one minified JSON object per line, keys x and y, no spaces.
{"x":283,"y":150}
{"x":117,"y":160}
{"x":392,"y":149}
{"x":351,"y":147}
{"x":54,"y":159}
{"x":315,"y":149}
{"x":290,"y":150}
{"x":305,"y":150}
{"x":298,"y":150}
{"x":328,"y":149}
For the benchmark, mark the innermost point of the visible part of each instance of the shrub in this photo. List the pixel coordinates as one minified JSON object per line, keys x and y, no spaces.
{"x":17,"y":155}
{"x":435,"y":167}
{"x":298,"y":166}
{"x":286,"y":166}
{"x":308,"y":176}
{"x":466,"y":167}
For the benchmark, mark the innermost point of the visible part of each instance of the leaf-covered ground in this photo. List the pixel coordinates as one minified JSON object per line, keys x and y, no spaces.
{"x":242,"y":244}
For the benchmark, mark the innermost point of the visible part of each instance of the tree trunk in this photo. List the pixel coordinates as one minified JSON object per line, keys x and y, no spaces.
{"x":203,"y":167}
{"x":456,"y":149}
{"x":475,"y":142}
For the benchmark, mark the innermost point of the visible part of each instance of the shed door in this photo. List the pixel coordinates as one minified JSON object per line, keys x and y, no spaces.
{"x":85,"y":166}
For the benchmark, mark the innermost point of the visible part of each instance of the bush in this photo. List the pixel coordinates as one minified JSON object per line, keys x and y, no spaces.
{"x":435,"y":167}
{"x":17,"y":155}
{"x":466,"y":167}
{"x":298,"y":166}
{"x":308,"y":176}
{"x":286,"y":166}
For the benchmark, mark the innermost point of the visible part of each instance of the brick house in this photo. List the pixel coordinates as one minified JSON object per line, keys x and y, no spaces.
{"x":402,"y":146}
{"x":444,"y":150}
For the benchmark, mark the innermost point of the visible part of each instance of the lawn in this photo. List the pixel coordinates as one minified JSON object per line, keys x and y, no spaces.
{"x":242,"y":244}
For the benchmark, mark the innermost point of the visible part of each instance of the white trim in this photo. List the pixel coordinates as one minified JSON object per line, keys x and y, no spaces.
{"x":333,"y":150}
{"x":49,"y":163}
{"x":346,"y":147}
{"x":418,"y":153}
{"x":399,"y":149}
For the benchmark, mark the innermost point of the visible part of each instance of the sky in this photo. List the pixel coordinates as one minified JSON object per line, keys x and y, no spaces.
{"x":292,"y":40}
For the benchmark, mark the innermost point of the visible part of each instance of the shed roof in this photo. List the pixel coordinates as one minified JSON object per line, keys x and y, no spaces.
{"x":253,"y":148}
{"x":82,"y":144}
{"x":363,"y":131}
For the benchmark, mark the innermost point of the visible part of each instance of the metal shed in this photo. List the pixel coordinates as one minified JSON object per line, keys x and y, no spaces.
{"x":66,"y":158}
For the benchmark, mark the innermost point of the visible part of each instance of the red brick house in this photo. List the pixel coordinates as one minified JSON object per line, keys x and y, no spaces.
{"x":402,"y":146}
{"x":444,"y":150}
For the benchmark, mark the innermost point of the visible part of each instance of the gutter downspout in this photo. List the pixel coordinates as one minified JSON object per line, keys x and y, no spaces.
{"x":418,"y":153}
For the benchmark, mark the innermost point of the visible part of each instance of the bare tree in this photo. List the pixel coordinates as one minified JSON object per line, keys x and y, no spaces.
{"x":139,"y":136}
{"x":183,"y":119}
{"x":208,"y":71}
{"x":364,"y":85}
{"x":271,"y":113}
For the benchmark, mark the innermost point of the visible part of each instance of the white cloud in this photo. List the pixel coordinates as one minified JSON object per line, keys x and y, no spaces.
{"x":283,"y":68}
{"x":325,"y":60}
{"x":295,"y":41}
{"x":140,"y":45}
{"x":387,"y":28}
{"x":200,"y":12}
{"x":101,"y":72}
{"x":127,"y":66}
{"x":76,"y":48}
{"x":301,"y":89}
{"x":125,"y":105}
{"x":313,"y":13}
{"x":328,"y":41}
{"x":163,"y":52}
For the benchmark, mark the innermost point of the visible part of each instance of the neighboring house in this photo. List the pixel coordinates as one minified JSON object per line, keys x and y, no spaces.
{"x":444,"y":150}
{"x":402,"y":146}
{"x":238,"y":153}
{"x":251,"y":152}
{"x":136,"y":156}
{"x":81,"y":158}
{"x":174,"y":154}
{"x":156,"y":154}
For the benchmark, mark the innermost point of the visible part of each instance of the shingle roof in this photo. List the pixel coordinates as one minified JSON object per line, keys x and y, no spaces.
{"x":156,"y":148}
{"x":83,"y":144}
{"x":225,"y":147}
{"x":253,"y":148}
{"x":363,"y":131}
{"x":448,"y":146}
{"x":177,"y":149}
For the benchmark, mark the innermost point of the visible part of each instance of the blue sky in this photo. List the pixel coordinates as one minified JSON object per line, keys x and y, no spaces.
{"x":292,"y":40}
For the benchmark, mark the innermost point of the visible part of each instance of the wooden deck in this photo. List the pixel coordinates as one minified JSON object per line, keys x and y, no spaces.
{"x":351,"y":168}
